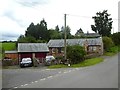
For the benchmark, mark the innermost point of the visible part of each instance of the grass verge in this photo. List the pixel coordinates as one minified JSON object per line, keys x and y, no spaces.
{"x":10,"y":67}
{"x":109,"y":54}
{"x":88,"y":62}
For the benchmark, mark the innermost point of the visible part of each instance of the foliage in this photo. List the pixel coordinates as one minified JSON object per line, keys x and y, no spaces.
{"x":28,"y":39}
{"x":116,"y":38}
{"x":38,"y":31}
{"x":88,"y":62}
{"x":7,"y":62}
{"x":112,"y":51}
{"x":103,"y":24}
{"x":85,"y":63}
{"x":75,"y":53}
{"x":68,"y":34}
{"x":54,"y":34}
{"x":107,"y":43}
{"x":57,"y":28}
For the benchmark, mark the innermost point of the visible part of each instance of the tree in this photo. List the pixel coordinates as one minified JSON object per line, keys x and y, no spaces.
{"x":28,"y":39}
{"x":107,"y":43}
{"x":116,"y":38}
{"x":38,"y":31}
{"x":53,"y":34}
{"x":43,"y":30}
{"x":31,"y":30}
{"x":75,"y":53}
{"x":68,"y":34}
{"x":57,"y":28}
{"x":103,"y":24}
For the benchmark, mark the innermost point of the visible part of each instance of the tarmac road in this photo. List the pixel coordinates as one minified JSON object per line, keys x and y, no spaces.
{"x":103,"y":75}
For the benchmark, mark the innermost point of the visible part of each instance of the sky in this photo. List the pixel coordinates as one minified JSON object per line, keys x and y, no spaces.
{"x":16,"y":15}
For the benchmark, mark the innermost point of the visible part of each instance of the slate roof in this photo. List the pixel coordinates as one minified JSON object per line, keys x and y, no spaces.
{"x":92,"y":35}
{"x":81,"y":42}
{"x":32,"y":47}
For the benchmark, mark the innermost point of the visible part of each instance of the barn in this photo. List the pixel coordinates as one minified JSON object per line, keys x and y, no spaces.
{"x":91,"y":45}
{"x":31,"y":50}
{"x":11,"y":54}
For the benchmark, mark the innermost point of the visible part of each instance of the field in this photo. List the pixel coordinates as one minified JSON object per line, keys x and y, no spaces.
{"x":6,"y":47}
{"x":9,"y":46}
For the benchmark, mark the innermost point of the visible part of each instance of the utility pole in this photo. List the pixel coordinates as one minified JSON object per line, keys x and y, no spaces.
{"x":113,"y":30}
{"x":65,"y":57}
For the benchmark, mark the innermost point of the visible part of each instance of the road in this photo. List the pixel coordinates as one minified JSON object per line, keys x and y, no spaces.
{"x":102,"y":75}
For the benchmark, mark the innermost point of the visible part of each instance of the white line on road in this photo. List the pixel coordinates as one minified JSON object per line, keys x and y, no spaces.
{"x":65,"y":72}
{"x":36,"y":81}
{"x":43,"y":79}
{"x":15,"y":87}
{"x":22,"y":85}
{"x":50,"y":77}
{"x":32,"y":82}
{"x":25,"y":84}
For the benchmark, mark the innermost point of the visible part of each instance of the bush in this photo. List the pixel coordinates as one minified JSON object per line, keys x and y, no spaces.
{"x":107,"y":43}
{"x":113,"y":49}
{"x":116,"y":38}
{"x":59,"y":59}
{"x":75,"y":54}
{"x":7,"y":62}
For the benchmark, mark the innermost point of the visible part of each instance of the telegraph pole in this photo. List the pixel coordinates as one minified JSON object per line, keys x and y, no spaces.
{"x":65,"y":57}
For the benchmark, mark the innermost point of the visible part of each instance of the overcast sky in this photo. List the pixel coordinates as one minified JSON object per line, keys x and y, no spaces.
{"x":16,"y":15}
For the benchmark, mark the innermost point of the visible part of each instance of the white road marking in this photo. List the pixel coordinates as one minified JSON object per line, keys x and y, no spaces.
{"x":50,"y":77}
{"x":15,"y":87}
{"x":32,"y":82}
{"x":64,"y":72}
{"x":43,"y":79}
{"x":36,"y":81}
{"x":22,"y":85}
{"x":25,"y":84}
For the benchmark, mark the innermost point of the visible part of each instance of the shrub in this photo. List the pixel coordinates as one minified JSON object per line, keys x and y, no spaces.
{"x":116,"y":38}
{"x":107,"y":43}
{"x":7,"y":62}
{"x":75,"y":54}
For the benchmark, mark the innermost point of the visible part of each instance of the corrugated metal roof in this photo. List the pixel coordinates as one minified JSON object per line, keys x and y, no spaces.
{"x":32,"y":47}
{"x":81,"y":42}
{"x":10,"y":52}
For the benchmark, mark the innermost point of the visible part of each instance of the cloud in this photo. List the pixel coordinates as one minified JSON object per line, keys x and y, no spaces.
{"x":32,"y":3}
{"x":16,"y":15}
{"x":8,"y":36}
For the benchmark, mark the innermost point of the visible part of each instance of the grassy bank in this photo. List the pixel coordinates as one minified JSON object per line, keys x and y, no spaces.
{"x":85,"y":63}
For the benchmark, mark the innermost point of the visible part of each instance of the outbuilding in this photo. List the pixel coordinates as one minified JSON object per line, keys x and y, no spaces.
{"x":32,"y":50}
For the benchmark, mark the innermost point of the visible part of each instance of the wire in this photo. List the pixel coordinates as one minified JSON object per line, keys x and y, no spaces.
{"x":90,"y":17}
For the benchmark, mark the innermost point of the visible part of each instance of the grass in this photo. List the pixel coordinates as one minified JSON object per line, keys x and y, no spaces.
{"x":113,"y":50}
{"x":109,"y":54}
{"x":10,"y":67}
{"x":85,"y":63}
{"x":8,"y":46}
